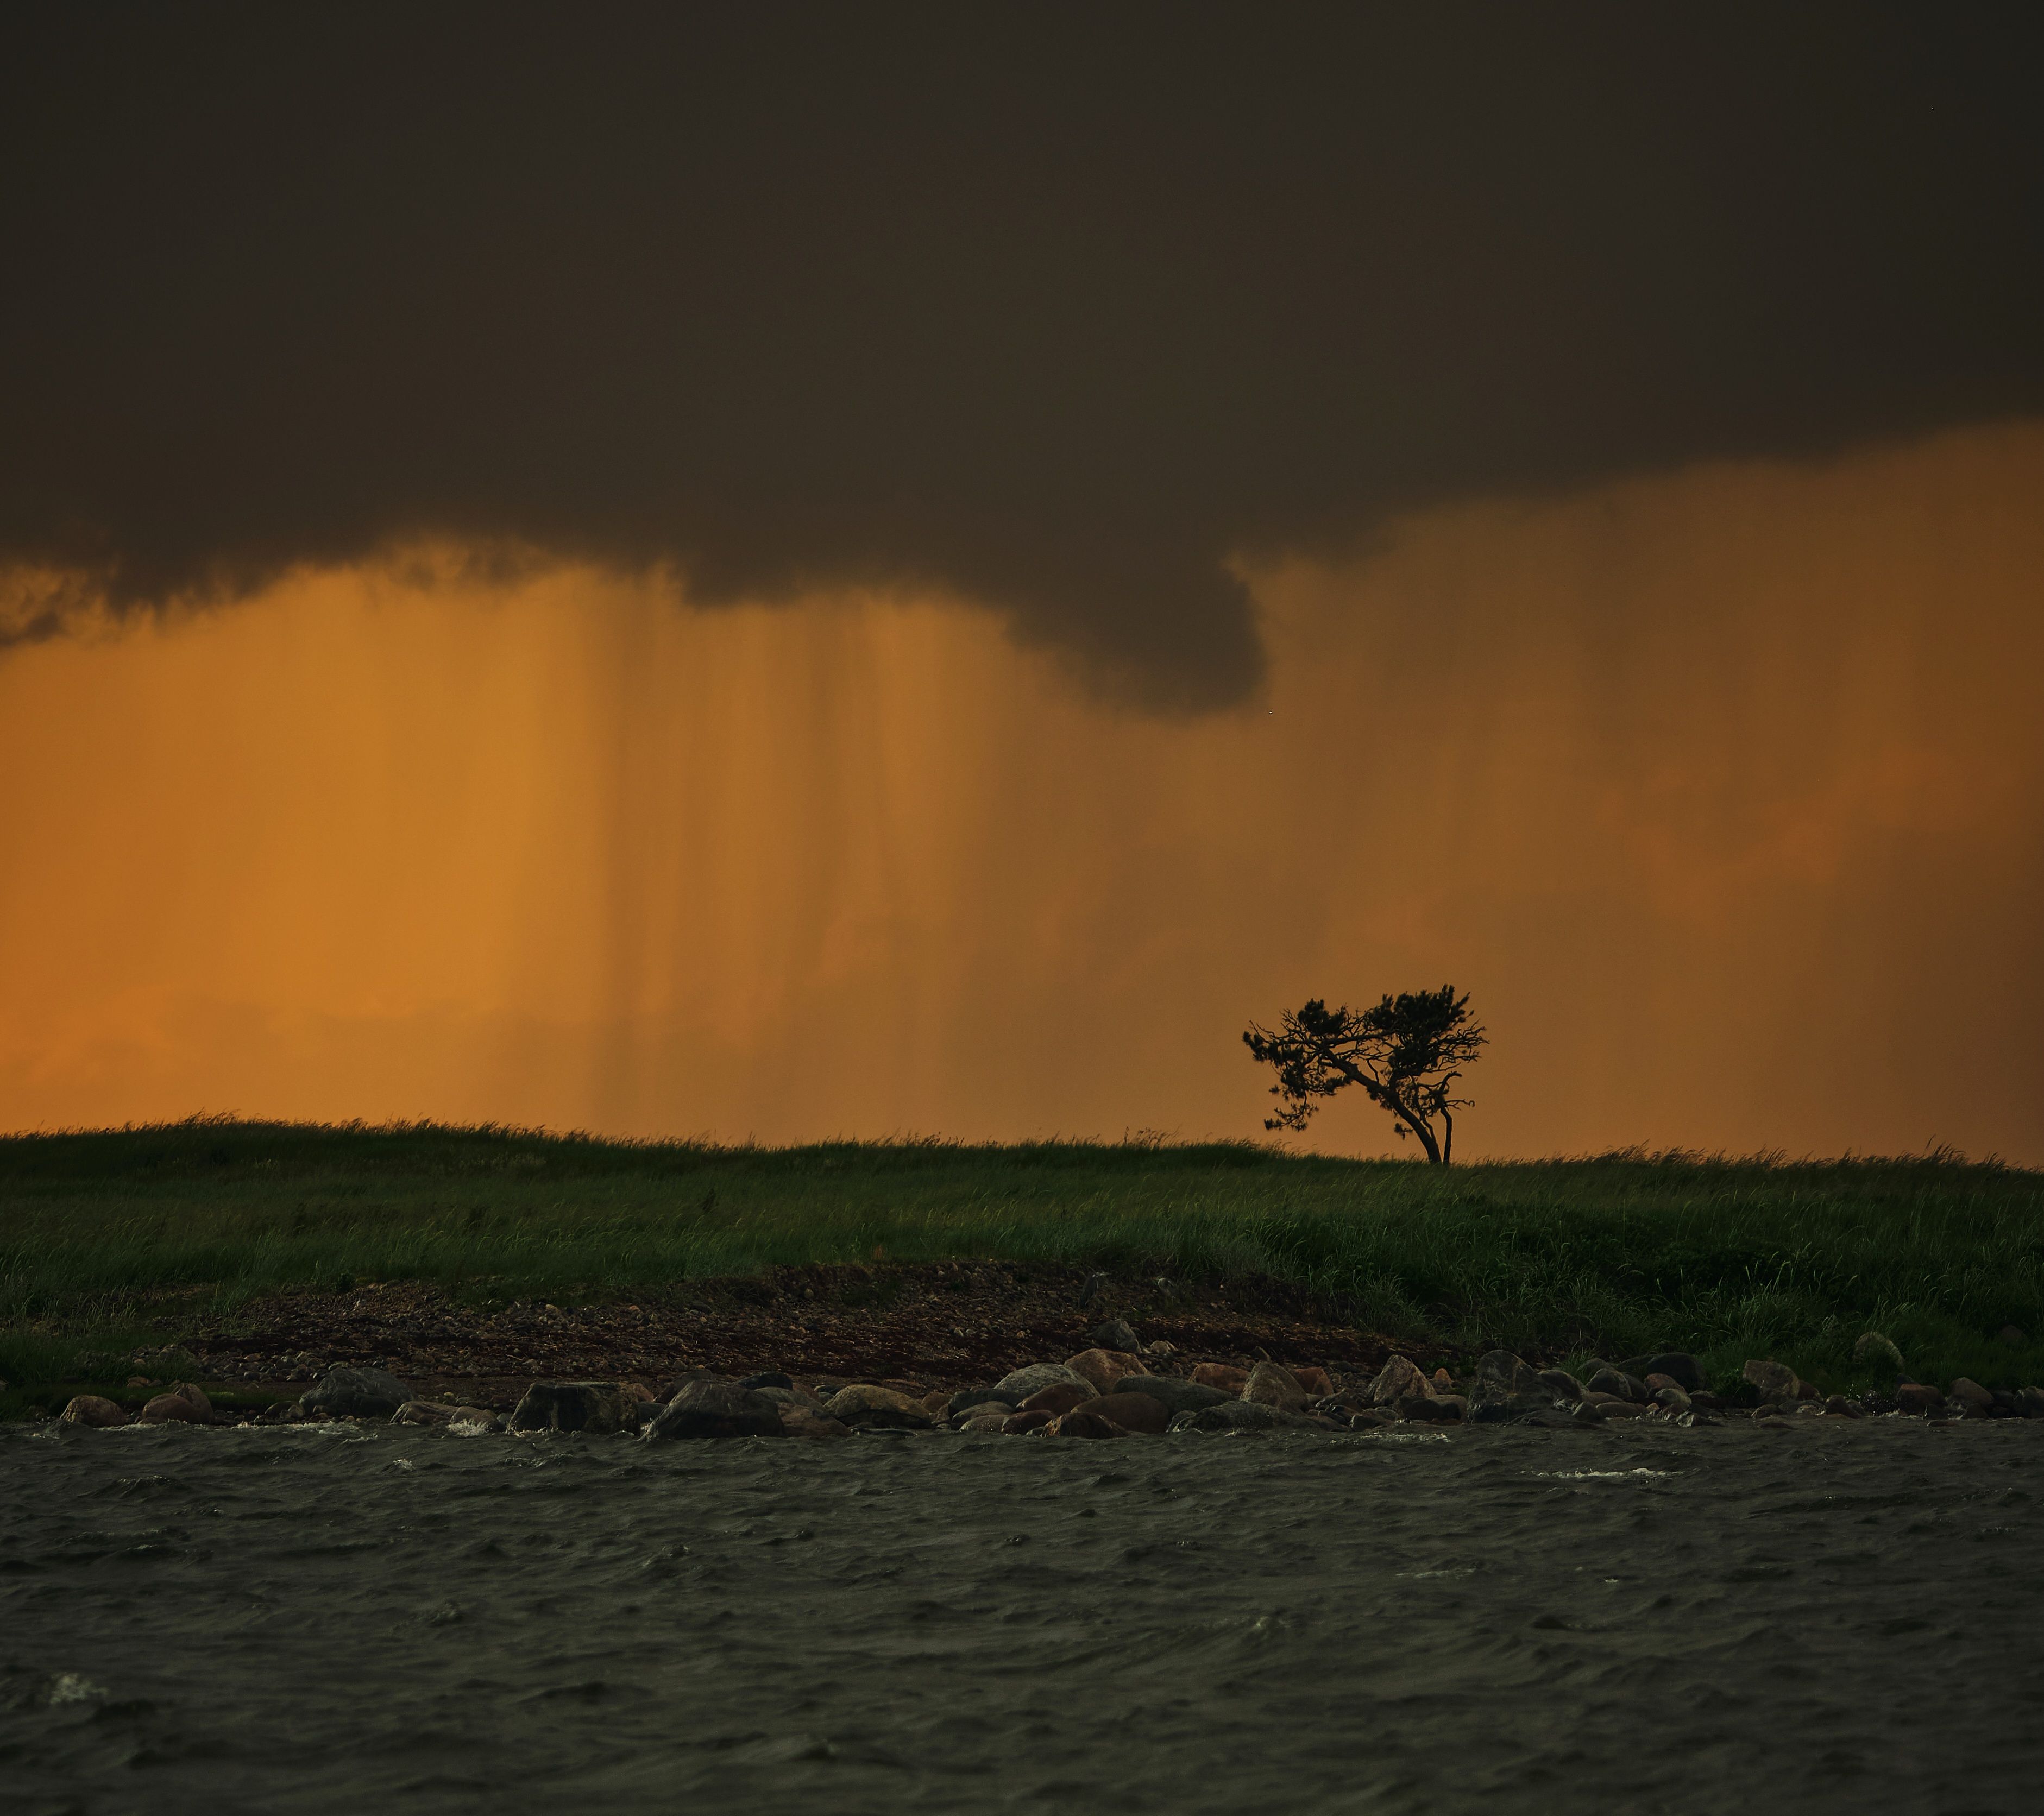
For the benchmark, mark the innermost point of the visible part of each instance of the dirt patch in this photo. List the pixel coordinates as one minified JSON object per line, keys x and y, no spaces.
{"x":945,"y":1324}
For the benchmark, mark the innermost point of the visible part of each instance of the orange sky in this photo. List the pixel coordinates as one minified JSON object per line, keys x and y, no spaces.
{"x":1721,"y":791}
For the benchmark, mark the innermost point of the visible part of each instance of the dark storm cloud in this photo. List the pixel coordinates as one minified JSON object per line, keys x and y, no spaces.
{"x":1061,"y":310}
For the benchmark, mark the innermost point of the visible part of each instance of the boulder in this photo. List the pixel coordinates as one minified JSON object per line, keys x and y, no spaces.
{"x":716,"y":1409}
{"x":2030,"y":1403}
{"x":1314,"y":1381}
{"x":1019,"y":1385}
{"x":1115,"y":1334}
{"x":810,"y":1421}
{"x":1103,"y":1368}
{"x":1428,"y":1409}
{"x":1618,"y":1383}
{"x":866,"y":1407}
{"x":1975,"y":1400}
{"x":1671,"y":1396}
{"x":183,"y":1405}
{"x":1914,"y":1396}
{"x":1243,"y":1415}
{"x":1506,"y":1389}
{"x":1875,"y":1350}
{"x":1684,"y":1368}
{"x":1564,"y":1385}
{"x":1229,"y":1380}
{"x":968,"y":1397}
{"x":1773,"y":1381}
{"x":356,"y":1393}
{"x":90,"y":1409}
{"x":791,"y":1399}
{"x":1616,"y":1408}
{"x":1081,"y":1422}
{"x":1017,"y":1424}
{"x":598,"y":1407}
{"x":771,"y":1378}
{"x":1059,"y":1397}
{"x":1132,"y":1411}
{"x":423,"y":1412}
{"x":1177,"y":1395}
{"x":1838,"y":1403}
{"x":1399,"y":1378}
{"x":1272,"y":1384}
{"x":990,"y":1415}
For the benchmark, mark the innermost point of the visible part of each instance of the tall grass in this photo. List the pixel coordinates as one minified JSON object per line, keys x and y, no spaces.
{"x":1619,"y":1254}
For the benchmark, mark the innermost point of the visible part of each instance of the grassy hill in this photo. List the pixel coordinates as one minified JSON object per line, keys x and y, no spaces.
{"x":1617,"y":1254}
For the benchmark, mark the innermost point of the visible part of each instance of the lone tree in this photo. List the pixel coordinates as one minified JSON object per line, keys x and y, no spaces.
{"x":1406,"y":1053}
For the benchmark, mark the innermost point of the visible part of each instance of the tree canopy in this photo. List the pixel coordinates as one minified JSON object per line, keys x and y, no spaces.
{"x":1407,"y":1052}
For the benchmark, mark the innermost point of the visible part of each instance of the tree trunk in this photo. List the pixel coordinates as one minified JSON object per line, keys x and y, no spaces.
{"x":1417,"y":1124}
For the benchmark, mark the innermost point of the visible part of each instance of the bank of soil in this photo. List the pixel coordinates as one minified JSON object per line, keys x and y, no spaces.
{"x":946,"y":1324}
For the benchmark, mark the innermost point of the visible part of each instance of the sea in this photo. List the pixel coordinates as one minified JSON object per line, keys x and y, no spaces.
{"x":1824,"y":1615}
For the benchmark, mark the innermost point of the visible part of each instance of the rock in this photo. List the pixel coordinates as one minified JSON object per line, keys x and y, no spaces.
{"x":1019,"y":1424}
{"x":1230,"y":1381}
{"x":1132,"y":1411}
{"x":1272,"y":1384}
{"x":2030,"y":1403}
{"x":181,"y":1406}
{"x":1116,"y":1333}
{"x":1773,"y":1381}
{"x":1019,"y":1385}
{"x":935,"y":1404}
{"x":1671,"y":1397}
{"x":1975,"y":1400}
{"x":1160,"y":1350}
{"x":2012,"y":1335}
{"x":1686,"y":1372}
{"x":356,"y":1393}
{"x":1177,"y":1395}
{"x":864,"y":1407}
{"x":1370,"y":1418}
{"x":1562,"y":1385}
{"x":694,"y":1375}
{"x":807,"y":1422}
{"x":598,"y":1407}
{"x":1428,"y":1408}
{"x":1506,"y":1389}
{"x":1081,"y":1422}
{"x":1399,"y":1378}
{"x":1241,"y":1415}
{"x":717,"y":1409}
{"x":1615,"y":1408}
{"x":1058,"y":1397}
{"x":1875,"y":1349}
{"x":423,"y":1412}
{"x":90,"y":1409}
{"x":988,"y":1416}
{"x":1838,"y":1403}
{"x":771,"y":1379}
{"x":1617,"y":1382}
{"x":966,"y":1397}
{"x":791,"y":1399}
{"x":1914,"y":1396}
{"x":1314,"y":1381}
{"x":1103,"y":1368}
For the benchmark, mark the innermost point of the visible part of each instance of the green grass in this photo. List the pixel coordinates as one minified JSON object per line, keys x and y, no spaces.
{"x":1617,"y":1255}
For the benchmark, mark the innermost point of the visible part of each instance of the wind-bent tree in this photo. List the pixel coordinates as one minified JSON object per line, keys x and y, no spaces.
{"x":1406,"y":1053}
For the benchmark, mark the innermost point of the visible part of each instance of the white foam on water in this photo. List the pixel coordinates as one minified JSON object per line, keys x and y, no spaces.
{"x":68,"y":1687}
{"x":1598,"y":1475}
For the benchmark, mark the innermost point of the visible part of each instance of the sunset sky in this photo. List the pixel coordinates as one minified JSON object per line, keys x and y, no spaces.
{"x":782,"y":573}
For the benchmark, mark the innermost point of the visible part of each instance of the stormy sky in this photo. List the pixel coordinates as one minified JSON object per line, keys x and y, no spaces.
{"x":794,"y":572}
{"x":1069,"y":313}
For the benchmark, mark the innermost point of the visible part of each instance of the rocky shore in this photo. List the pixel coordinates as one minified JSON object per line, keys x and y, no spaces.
{"x":1120,"y":1385}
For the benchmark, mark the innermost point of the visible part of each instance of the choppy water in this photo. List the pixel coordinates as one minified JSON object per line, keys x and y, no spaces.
{"x":391,"y":1619}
